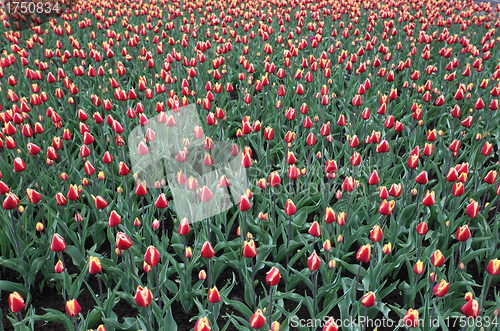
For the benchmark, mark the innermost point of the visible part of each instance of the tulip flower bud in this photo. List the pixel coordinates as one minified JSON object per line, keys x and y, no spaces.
{"x":493,"y":267}
{"x":152,"y":256}
{"x":257,"y":320}
{"x":202,"y":324}
{"x":471,"y":308}
{"x":16,"y":302}
{"x":273,"y":276}
{"x":437,"y":258}
{"x":207,"y":251}
{"x":58,"y":243}
{"x":368,"y":300}
{"x":419,"y":268}
{"x":411,"y":318}
{"x":387,"y":249}
{"x":143,"y":296}
{"x":364,"y":253}
{"x":94,"y":265}
{"x":441,"y":288}
{"x":313,"y":262}
{"x":72,"y":307}
{"x":213,"y":295}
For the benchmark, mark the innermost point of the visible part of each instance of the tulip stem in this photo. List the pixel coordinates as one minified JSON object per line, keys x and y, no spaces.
{"x":364,"y":321}
{"x":147,"y":318}
{"x":253,"y":284}
{"x":157,"y":287}
{"x":433,"y":308}
{"x":208,"y":273}
{"x":357,"y":280}
{"x":17,"y":239}
{"x":76,"y":323}
{"x":100,"y":290}
{"x":185,"y":260}
{"x":486,"y":292}
{"x":314,"y":276}
{"x":406,"y":185}
{"x":270,"y":305}
{"x":418,"y":203}
{"x":162,"y":223}
{"x":433,"y":281}
{"x":484,"y":199}
{"x":112,"y":178}
{"x":369,"y":202}
{"x":288,"y":241}
{"x":132,"y":268}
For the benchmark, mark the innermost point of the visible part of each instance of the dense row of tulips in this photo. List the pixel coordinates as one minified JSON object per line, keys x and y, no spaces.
{"x":368,"y":132}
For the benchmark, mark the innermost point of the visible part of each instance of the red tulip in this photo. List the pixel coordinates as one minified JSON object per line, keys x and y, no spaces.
{"x":72,"y":307}
{"x":143,"y":296}
{"x":16,"y":302}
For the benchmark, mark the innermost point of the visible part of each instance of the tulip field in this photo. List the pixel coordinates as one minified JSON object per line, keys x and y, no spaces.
{"x":364,"y":195}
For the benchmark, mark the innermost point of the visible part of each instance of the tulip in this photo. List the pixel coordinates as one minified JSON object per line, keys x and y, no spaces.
{"x":257,"y":320}
{"x":330,"y":325}
{"x":202,"y":324}
{"x":290,"y":210}
{"x":411,"y":318}
{"x":72,"y":307}
{"x":16,"y":302}
{"x":471,"y":309}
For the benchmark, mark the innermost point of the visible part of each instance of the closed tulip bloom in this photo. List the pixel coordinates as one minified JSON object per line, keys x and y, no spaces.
{"x":123,"y":242}
{"x":213,"y":295}
{"x":184,"y":227}
{"x":152,"y":256}
{"x":413,"y":161}
{"x":429,"y":198}
{"x":293,"y":172}
{"x":329,"y":215}
{"x":471,"y":308}
{"x":58,"y":243}
{"x":19,"y":165}
{"x":73,"y":193}
{"x":290,"y":208}
{"x":441,"y":288}
{"x":493,"y":267}
{"x":468,"y":296}
{"x":202,"y":324}
{"x":315,"y":229}
{"x":490,"y":177}
{"x":386,"y":208}
{"x":368,"y":300}
{"x":383,"y":194}
{"x":273,"y":276}
{"x":373,"y":179}
{"x":202,"y":275}
{"x":94,"y":265}
{"x":422,"y":228}
{"x":114,"y":219}
{"x":257,"y":320}
{"x":207,"y":251}
{"x":72,"y":307}
{"x":313,"y":262}
{"x":376,"y":234}
{"x":60,"y":199}
{"x":16,"y":302}
{"x":249,"y":249}
{"x":330,"y":325}
{"x":58,"y":268}
{"x":463,"y":233}
{"x":327,"y":245}
{"x":143,"y":296}
{"x":422,"y":178}
{"x":33,"y":196}
{"x":458,"y":189}
{"x":274,"y":179}
{"x":205,"y":194}
{"x":348,"y":184}
{"x":437,"y":258}
{"x":10,"y":202}
{"x":472,"y":209}
{"x":244,"y":203}
{"x":364,"y":253}
{"x":100,"y":202}
{"x":411,"y":318}
{"x":387,"y":249}
{"x":419,"y":268}
{"x":161,"y":202}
